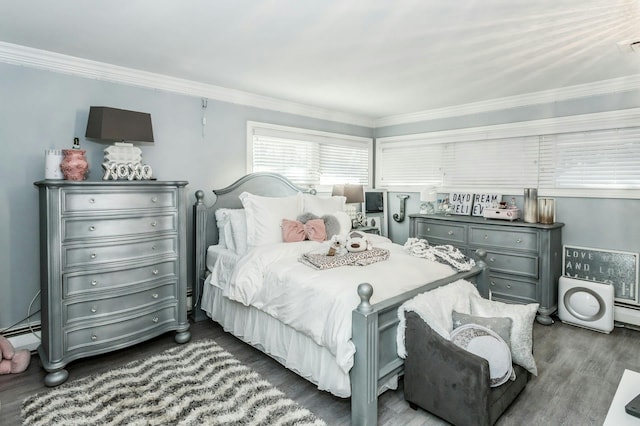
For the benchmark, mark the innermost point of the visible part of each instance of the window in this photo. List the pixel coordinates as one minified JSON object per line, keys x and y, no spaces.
{"x":594,"y":155}
{"x":308,"y":157}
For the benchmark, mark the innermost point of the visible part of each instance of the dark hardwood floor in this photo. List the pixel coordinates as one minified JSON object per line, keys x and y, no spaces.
{"x":579,"y":371}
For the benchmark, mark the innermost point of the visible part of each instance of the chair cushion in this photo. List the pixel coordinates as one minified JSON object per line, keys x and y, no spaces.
{"x":487,"y":344}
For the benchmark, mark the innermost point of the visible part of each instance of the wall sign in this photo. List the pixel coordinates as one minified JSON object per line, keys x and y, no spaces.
{"x":617,"y":268}
{"x":461,"y":203}
{"x":481,"y":201}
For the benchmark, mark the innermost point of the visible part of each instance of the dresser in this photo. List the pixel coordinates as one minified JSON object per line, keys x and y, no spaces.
{"x":524,"y":259}
{"x":112,"y":267}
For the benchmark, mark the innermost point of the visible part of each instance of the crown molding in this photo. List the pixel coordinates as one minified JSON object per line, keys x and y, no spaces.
{"x":614,"y":85}
{"x":570,"y":124}
{"x":51,"y":61}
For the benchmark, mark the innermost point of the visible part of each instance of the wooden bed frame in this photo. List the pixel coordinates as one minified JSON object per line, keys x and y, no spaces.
{"x":373,"y":325}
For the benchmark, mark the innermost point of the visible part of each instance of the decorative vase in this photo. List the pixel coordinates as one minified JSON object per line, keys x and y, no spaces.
{"x":530,"y":205}
{"x":74,"y":165}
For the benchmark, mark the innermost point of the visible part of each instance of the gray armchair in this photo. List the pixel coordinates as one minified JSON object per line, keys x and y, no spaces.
{"x":450,"y":382}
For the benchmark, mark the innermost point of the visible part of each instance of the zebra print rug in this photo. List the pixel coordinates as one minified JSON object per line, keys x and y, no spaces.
{"x":194,"y":384}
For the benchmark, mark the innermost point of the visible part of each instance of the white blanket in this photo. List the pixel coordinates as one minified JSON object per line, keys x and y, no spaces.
{"x":436,"y":308}
{"x":319,"y":303}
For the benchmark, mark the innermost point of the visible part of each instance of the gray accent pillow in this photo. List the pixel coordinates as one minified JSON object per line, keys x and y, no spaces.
{"x":500,"y":325}
{"x":331,"y":223}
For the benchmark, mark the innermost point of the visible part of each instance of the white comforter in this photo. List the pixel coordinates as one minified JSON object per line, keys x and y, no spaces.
{"x":319,"y":303}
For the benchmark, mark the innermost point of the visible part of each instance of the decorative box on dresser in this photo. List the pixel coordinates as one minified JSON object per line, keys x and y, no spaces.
{"x":525,"y":259}
{"x":112,"y":267}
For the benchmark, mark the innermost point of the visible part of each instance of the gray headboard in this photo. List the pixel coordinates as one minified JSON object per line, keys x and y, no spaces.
{"x":204,"y":219}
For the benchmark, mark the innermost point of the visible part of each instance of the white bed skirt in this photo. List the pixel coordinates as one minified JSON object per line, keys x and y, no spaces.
{"x":292,"y":349}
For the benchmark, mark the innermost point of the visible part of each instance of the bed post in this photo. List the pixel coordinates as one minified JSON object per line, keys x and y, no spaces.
{"x":482,"y":280}
{"x":199,"y":253}
{"x":364,"y":374}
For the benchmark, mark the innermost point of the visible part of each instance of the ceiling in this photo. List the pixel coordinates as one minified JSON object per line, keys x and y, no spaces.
{"x":372,"y":58}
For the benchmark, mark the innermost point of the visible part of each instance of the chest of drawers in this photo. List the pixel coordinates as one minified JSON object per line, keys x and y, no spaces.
{"x":524,"y":259}
{"x":112,"y":268}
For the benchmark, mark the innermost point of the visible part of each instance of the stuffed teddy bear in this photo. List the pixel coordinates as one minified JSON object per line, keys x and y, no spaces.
{"x":338,"y":246}
{"x":12,"y":361}
{"x":357,"y":241}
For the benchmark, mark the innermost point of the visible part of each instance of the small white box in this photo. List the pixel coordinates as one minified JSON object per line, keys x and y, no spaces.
{"x":506,"y":214}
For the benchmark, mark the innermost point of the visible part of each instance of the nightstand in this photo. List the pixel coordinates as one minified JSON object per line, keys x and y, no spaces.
{"x":367,"y":229}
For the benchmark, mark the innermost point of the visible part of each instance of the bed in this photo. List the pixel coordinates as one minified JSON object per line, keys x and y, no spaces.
{"x":335,"y":327}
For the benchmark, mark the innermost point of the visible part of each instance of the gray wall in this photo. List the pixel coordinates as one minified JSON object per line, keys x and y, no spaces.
{"x":42,"y":109}
{"x":590,"y":222}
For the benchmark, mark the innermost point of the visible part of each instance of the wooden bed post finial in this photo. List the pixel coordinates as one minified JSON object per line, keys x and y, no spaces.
{"x":199,"y":197}
{"x":365,"y":291}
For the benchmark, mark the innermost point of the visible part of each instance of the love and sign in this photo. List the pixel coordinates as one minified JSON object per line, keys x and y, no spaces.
{"x":616,"y":268}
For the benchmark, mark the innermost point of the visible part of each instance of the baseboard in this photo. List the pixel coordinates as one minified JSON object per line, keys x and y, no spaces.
{"x":626,"y":315}
{"x":25,"y":337}
{"x":25,"y":341}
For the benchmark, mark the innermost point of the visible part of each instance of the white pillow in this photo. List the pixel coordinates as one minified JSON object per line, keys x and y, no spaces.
{"x":224,"y":228}
{"x":487,"y":344}
{"x":521,"y":329}
{"x":264,"y":216}
{"x":232,"y":230}
{"x":323,"y":205}
{"x":345,"y":222}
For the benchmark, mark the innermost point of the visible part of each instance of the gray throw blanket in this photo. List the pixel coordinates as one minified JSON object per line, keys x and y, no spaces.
{"x":446,"y":254}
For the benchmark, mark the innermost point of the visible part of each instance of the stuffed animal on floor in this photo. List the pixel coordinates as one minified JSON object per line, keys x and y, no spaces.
{"x":12,"y":361}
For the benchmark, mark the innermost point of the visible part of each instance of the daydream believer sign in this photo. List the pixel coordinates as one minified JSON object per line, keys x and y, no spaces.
{"x":617,"y":268}
{"x":461,"y":203}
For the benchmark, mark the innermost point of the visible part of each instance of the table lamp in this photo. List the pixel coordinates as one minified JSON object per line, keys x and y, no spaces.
{"x":120,"y":127}
{"x":428,"y":199}
{"x":354,"y":195}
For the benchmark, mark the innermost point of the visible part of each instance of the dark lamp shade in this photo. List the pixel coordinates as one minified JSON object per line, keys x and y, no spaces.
{"x":112,"y":124}
{"x":354,"y":193}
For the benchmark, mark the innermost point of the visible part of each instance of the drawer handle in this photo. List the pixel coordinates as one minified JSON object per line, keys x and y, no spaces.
{"x":493,"y":283}
{"x":428,"y":229}
{"x":508,"y":285}
{"x":155,"y":272}
{"x":450,"y":232}
{"x":492,"y":259}
{"x":486,"y":237}
{"x":94,"y":337}
{"x":156,"y":319}
{"x":518,"y":241}
{"x":154,"y":223}
{"x":92,"y":228}
{"x":94,"y":309}
{"x":153,"y":247}
{"x":94,"y":282}
{"x":154,"y":199}
{"x":93,"y":256}
{"x":154,"y":295}
{"x":92,"y":200}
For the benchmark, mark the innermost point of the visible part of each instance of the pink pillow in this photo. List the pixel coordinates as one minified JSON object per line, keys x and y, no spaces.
{"x":315,"y":230}
{"x":293,"y":231}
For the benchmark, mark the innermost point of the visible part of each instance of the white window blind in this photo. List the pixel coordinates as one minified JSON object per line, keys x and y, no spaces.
{"x":592,"y":155}
{"x":503,"y":163}
{"x":477,"y":164}
{"x":309,"y":157}
{"x":409,"y":163}
{"x":603,"y":159}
